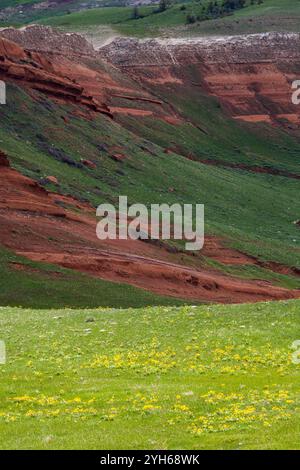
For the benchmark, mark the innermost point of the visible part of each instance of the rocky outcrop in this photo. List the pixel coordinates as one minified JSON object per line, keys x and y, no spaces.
{"x":46,"y":39}
{"x":251,"y":75}
{"x":38,"y":218}
{"x":36,"y":71}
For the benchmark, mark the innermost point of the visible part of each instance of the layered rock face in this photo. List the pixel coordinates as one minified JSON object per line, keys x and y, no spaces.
{"x":251,"y":75}
{"x":75,"y":73}
{"x":225,"y":49}
{"x":36,"y":71}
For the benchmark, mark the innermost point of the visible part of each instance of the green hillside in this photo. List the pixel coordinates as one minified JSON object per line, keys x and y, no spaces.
{"x":94,"y":364}
{"x":39,"y":285}
{"x":254,"y":212}
{"x":245,"y":209}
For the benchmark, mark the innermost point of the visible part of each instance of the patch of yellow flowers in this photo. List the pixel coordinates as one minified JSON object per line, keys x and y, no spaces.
{"x":144,"y":361}
{"x":213,"y":411}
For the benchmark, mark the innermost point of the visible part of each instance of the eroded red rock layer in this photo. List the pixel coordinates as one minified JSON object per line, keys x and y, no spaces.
{"x":71,"y":71}
{"x":34,"y":223}
{"x":251,"y":75}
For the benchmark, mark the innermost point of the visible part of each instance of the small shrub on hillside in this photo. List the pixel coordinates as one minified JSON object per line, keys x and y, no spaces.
{"x":190,"y":19}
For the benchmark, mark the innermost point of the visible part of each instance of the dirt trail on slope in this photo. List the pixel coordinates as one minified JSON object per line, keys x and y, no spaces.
{"x":44,"y":226}
{"x":250,"y":75}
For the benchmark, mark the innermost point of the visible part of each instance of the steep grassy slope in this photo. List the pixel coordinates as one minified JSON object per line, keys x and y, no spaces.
{"x":229,"y":143}
{"x":189,"y":378}
{"x":257,"y":211}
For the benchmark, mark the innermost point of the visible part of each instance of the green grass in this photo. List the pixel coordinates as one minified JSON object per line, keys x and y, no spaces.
{"x":39,"y":285}
{"x":110,"y":15}
{"x":272,"y":15}
{"x":218,"y":377}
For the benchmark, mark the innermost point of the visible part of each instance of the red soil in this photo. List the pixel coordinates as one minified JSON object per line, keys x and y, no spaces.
{"x":260,"y":95}
{"x":32,"y":70}
{"x":252,"y":168}
{"x":34,"y":224}
{"x":251,"y":76}
{"x":84,"y":80}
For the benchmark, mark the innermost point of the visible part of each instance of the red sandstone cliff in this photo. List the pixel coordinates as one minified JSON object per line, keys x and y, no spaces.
{"x":251,"y":75}
{"x":66,"y":66}
{"x":73,"y":72}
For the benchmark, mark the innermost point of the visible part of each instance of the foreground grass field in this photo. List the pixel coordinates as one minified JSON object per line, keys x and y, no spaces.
{"x":185,"y":377}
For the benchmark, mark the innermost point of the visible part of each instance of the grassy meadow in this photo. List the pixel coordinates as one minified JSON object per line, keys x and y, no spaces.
{"x":207,"y":377}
